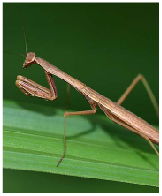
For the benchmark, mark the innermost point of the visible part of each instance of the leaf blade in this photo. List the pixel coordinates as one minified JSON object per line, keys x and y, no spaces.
{"x":36,"y":144}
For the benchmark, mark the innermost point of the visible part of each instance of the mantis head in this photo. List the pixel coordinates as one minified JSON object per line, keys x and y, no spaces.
{"x":30,"y":59}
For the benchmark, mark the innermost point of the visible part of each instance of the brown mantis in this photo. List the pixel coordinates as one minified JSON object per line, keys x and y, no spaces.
{"x":113,"y":110}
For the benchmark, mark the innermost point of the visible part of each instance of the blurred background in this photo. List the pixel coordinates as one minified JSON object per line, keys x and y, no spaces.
{"x":105,"y":45}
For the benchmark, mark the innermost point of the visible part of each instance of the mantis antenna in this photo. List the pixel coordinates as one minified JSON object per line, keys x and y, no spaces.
{"x":26,"y":46}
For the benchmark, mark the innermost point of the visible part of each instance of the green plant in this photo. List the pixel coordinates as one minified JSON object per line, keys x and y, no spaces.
{"x":97,"y":148}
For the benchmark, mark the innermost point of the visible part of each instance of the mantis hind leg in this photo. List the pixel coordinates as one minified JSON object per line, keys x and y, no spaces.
{"x":150,"y":143}
{"x":152,"y":97}
{"x":118,"y":121}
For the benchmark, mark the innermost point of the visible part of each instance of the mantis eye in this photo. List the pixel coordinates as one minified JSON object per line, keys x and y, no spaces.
{"x":30,"y":58}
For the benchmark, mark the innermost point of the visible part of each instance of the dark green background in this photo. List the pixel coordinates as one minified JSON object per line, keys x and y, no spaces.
{"x":105,"y":45}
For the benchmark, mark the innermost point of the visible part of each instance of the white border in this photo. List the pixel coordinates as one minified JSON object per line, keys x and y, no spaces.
{"x":84,"y":1}
{"x":1,"y":93}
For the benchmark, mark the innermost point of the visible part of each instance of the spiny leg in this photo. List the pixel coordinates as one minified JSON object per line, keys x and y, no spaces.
{"x":30,"y":87}
{"x":51,"y":82}
{"x":66,"y":114}
{"x":140,"y":77}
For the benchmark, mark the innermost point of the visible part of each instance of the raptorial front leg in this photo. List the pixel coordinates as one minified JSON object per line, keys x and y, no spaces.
{"x":140,"y":77}
{"x":66,"y":114}
{"x":29,"y":87}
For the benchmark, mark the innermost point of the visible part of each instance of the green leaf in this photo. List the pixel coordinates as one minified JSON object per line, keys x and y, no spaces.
{"x":96,"y":147}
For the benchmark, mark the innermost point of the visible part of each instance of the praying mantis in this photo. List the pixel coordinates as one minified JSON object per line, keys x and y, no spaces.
{"x":112,"y":110}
